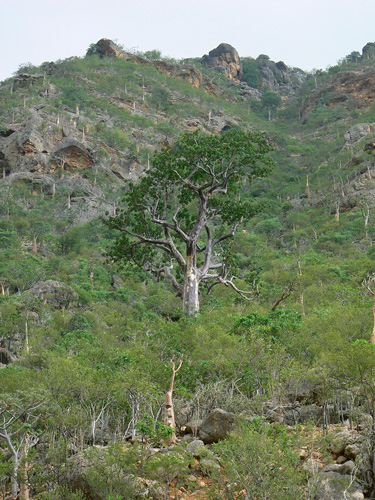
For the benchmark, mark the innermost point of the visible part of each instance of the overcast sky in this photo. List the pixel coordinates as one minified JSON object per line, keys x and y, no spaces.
{"x":306,"y":34}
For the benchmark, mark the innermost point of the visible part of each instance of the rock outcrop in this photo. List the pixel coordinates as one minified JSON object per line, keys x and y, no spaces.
{"x":107,"y":48}
{"x":278,"y":77}
{"x":55,"y":293}
{"x":368,"y":51}
{"x":352,"y":89}
{"x":224,"y":59}
{"x":73,"y":153}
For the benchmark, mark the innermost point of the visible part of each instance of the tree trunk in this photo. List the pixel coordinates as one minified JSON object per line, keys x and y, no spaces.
{"x":191,"y":287}
{"x":168,"y":408}
{"x":14,"y":479}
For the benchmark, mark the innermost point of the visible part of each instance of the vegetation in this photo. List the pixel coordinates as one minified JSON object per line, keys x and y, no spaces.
{"x":304,"y":240}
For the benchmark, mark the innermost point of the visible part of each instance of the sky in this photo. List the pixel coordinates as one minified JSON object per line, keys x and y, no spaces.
{"x":309,"y":34}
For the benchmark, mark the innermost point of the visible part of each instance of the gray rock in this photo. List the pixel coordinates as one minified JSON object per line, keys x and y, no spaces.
{"x":117,"y":282}
{"x":57,"y":294}
{"x":352,"y":451}
{"x":209,"y":466}
{"x":194,"y":446}
{"x":73,"y":153}
{"x":340,"y":441}
{"x":312,"y":466}
{"x":344,"y":469}
{"x":334,"y":486}
{"x":216,"y":426}
{"x":6,"y":357}
{"x":358,"y":132}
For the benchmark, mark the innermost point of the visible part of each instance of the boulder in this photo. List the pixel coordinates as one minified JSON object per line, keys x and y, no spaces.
{"x":107,"y":48}
{"x":336,"y":482}
{"x":55,"y":293}
{"x":194,"y":446}
{"x":224,"y":59}
{"x":216,"y":426}
{"x":6,"y":357}
{"x":312,"y":466}
{"x":335,"y":486}
{"x":340,"y":442}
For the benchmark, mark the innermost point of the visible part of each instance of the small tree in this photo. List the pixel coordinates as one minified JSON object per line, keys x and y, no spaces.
{"x":175,"y":221}
{"x":270,"y":101}
{"x":19,"y":414}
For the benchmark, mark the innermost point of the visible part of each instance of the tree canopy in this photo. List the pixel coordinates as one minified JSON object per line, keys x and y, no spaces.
{"x":176,"y":220}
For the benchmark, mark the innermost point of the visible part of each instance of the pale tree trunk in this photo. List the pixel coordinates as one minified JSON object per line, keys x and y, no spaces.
{"x":24,"y":490}
{"x":168,"y":409}
{"x":35,"y":246}
{"x":191,"y":287}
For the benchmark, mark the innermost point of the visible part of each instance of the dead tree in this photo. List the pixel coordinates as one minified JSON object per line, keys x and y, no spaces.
{"x":168,"y":409}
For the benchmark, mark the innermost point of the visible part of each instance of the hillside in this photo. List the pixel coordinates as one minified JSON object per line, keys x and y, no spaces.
{"x":274,"y":396}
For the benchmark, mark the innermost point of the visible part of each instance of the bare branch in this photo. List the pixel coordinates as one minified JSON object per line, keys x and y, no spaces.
{"x":286,"y":293}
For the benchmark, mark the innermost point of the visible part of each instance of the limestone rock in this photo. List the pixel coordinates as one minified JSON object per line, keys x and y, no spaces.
{"x":352,"y":451}
{"x":346,"y":468}
{"x":334,"y":480}
{"x":188,"y":73}
{"x":216,"y":426}
{"x":194,"y":446}
{"x":358,"y":132}
{"x":57,"y":294}
{"x":312,"y":466}
{"x":334,"y":486}
{"x":224,"y":59}
{"x":352,"y":89}
{"x":107,"y":48}
{"x":72,"y":153}
{"x":340,"y":442}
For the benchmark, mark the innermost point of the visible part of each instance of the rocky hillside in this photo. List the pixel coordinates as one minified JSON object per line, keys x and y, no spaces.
{"x":274,"y":397}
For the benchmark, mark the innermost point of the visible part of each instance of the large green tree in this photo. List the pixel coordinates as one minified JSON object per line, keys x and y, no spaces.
{"x":176,"y":220}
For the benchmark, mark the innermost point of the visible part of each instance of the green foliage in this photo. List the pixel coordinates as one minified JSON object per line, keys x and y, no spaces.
{"x":274,"y":328}
{"x":251,"y":73}
{"x":157,"y":432}
{"x":261,"y":460}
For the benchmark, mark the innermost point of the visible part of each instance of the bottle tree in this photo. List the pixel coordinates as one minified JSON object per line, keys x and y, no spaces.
{"x":176,"y":220}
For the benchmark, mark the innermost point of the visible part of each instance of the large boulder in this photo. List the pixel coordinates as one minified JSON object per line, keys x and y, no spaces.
{"x":216,"y":426}
{"x":106,"y":48}
{"x":224,"y":59}
{"x":335,"y":482}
